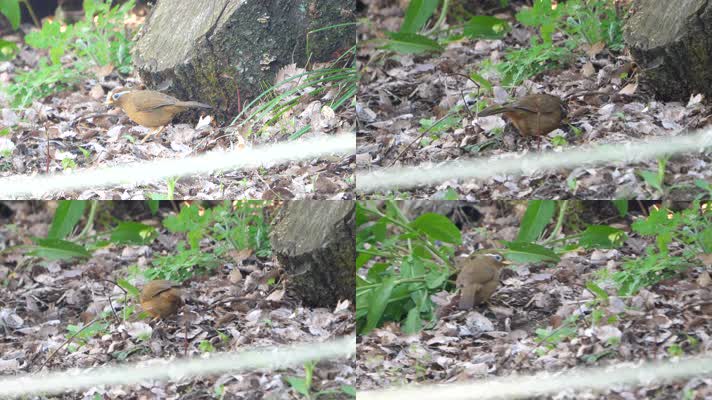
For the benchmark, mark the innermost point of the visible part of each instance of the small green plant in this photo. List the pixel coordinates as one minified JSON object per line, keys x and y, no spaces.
{"x":219,"y":391}
{"x":690,"y":228}
{"x":206,"y":347}
{"x":558,"y":141}
{"x":413,"y":262}
{"x":410,"y":260}
{"x":68,"y":163}
{"x":412,"y":37}
{"x":226,"y":226}
{"x":63,"y":243}
{"x":81,"y":335}
{"x":442,"y":125}
{"x":524,"y":63}
{"x":674,"y":350}
{"x":656,"y":179}
{"x":304,"y":385}
{"x":580,"y":22}
{"x":74,"y":50}
{"x":340,"y":79}
{"x":549,"y":338}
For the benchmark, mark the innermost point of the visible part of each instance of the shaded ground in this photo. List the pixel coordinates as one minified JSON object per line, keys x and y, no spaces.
{"x":398,"y":92}
{"x":40,"y":299}
{"x":59,"y":130}
{"x":501,"y":339}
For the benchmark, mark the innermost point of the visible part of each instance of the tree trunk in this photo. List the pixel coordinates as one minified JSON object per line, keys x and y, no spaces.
{"x":224,"y":52}
{"x":669,"y":40}
{"x":314,"y":241}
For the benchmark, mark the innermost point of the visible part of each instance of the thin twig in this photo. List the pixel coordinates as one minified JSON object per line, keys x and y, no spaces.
{"x":66,"y":342}
{"x":419,"y":137}
{"x":116,"y":316}
{"x":32,"y":13}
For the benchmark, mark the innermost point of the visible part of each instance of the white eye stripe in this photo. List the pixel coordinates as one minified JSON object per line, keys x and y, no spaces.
{"x":497,"y":257}
{"x":119,"y":94}
{"x":115,"y":96}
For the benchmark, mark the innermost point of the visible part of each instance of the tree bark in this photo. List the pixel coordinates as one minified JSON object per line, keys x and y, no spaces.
{"x":224,"y":52}
{"x":669,"y":40}
{"x":315,"y":242}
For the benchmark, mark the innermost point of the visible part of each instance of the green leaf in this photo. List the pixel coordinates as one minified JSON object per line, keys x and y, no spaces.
{"x":486,"y":27}
{"x":596,"y":290}
{"x":535,"y":219}
{"x":706,"y":239}
{"x":66,"y":217}
{"x":412,"y":323}
{"x":43,"y":39}
{"x":131,"y":289}
{"x":602,"y":236}
{"x":348,"y":389}
{"x":377,"y":304}
{"x":362,"y":259}
{"x":486,"y":85}
{"x":153,"y":206}
{"x":89,"y":8}
{"x":524,"y":252}
{"x":435,"y":279}
{"x":437,"y":227}
{"x":411,"y":43}
{"x":298,"y":384}
{"x":55,"y":54}
{"x":376,"y":272}
{"x":621,"y":206}
{"x":55,"y":249}
{"x":417,"y":14}
{"x":128,"y":232}
{"x":652,"y":178}
{"x":11,"y":9}
{"x":8,"y":50}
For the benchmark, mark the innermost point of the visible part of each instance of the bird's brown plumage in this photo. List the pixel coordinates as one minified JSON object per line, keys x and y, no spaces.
{"x":533,"y":115}
{"x":478,"y":278}
{"x":149,"y":108}
{"x":161,"y":298}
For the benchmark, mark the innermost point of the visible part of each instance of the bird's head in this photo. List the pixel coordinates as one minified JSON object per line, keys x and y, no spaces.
{"x":115,"y":96}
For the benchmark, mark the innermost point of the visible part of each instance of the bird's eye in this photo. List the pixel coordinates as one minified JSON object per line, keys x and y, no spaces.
{"x":496,"y":257}
{"x":116,"y":96}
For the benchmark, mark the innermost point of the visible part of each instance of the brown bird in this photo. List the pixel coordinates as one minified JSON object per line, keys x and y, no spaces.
{"x":149,"y":108}
{"x":161,"y":298}
{"x":533,"y":115}
{"x":478,"y":277}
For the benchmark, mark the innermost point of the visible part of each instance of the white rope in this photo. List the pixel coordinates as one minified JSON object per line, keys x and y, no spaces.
{"x":429,"y":174}
{"x":143,"y":172}
{"x":272,"y":358}
{"x":547,"y":383}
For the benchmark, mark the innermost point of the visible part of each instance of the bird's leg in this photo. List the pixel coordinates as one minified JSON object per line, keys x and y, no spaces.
{"x":153,"y":132}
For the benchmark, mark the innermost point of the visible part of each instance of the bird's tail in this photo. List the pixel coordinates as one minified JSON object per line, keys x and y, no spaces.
{"x":192,"y":104}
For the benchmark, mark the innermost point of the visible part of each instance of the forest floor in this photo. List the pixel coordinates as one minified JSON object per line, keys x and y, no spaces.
{"x":502,"y":338}
{"x":42,"y":299}
{"x":399,"y":92}
{"x":74,"y":130}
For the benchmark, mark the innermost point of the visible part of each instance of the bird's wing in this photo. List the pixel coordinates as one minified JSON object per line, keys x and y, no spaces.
{"x":147,"y":100}
{"x":482,"y":275}
{"x":524,"y":108}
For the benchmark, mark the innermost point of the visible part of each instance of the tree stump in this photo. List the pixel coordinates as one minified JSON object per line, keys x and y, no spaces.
{"x":669,"y":40}
{"x":225,"y":52}
{"x":315,"y":243}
